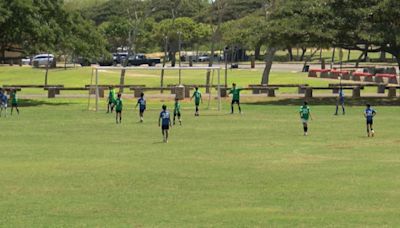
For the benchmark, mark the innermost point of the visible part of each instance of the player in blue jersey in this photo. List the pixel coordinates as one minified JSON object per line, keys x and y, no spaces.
{"x":164,"y":121}
{"x":3,"y":103}
{"x":142,"y":106}
{"x":369,"y":114}
{"x":340,"y":102}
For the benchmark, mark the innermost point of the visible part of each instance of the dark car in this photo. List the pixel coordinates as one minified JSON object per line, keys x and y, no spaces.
{"x":141,"y":59}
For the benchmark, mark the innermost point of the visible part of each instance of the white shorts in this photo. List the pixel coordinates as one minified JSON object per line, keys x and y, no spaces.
{"x":4,"y":106}
{"x":304,"y":121}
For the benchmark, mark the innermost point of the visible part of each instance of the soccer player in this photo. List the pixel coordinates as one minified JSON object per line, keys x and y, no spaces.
{"x":177,"y":111}
{"x":340,"y":102}
{"x":4,"y":102}
{"x":14,"y":101}
{"x":142,"y":106}
{"x":197,"y":98}
{"x":369,"y":114}
{"x":235,"y":97}
{"x":111,"y":100}
{"x":305,"y":115}
{"x":118,"y":108}
{"x":165,"y":122}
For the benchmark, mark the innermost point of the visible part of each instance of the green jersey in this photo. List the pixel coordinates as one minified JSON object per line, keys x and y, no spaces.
{"x":111,"y":96}
{"x":235,"y":93}
{"x":177,"y":107}
{"x":305,"y":112}
{"x":118,"y":104}
{"x":197,"y":96}
{"x":14,"y":99}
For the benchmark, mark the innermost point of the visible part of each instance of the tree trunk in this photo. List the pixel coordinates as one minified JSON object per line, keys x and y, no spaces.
{"x":163,"y":64}
{"x":172,"y":57}
{"x":310,"y":58}
{"x":290,"y":52}
{"x":303,"y":53}
{"x":65,"y":62}
{"x":382,"y":57}
{"x":257,"y":51}
{"x":348,"y":56}
{"x":359,"y":59}
{"x":397,"y":57}
{"x":333,"y":57}
{"x":47,"y":70}
{"x":269,"y":58}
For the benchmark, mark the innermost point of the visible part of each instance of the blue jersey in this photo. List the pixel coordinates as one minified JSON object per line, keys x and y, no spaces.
{"x":142,"y":103}
{"x":4,"y":99}
{"x":341,"y":95}
{"x":369,"y":113}
{"x":165,"y":118}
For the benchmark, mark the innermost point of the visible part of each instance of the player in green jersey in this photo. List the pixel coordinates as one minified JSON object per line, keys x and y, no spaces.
{"x":177,"y":111}
{"x":14,"y":101}
{"x":305,"y":116}
{"x":118,"y":108}
{"x":235,"y":97}
{"x":111,"y":100}
{"x":197,"y":99}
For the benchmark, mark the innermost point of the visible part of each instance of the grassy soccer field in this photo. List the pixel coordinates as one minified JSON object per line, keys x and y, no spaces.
{"x":62,"y":166}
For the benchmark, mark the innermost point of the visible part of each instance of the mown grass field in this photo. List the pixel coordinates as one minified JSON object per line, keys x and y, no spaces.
{"x":62,"y":166}
{"x":79,"y":77}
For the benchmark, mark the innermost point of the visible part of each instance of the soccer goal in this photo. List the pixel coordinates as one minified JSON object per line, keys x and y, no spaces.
{"x":96,"y":76}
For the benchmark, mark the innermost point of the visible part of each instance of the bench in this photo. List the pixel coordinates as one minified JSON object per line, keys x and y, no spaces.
{"x":389,"y":78}
{"x":102,"y":88}
{"x":53,"y":91}
{"x":8,"y":90}
{"x":335,"y":74}
{"x":269,"y":90}
{"x":392,"y":91}
{"x":380,"y":87}
{"x":20,"y":87}
{"x":324,"y":73}
{"x":258,"y":91}
{"x":356,"y":90}
{"x":368,"y":77}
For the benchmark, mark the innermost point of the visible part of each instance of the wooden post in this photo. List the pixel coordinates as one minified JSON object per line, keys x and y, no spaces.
{"x":309,"y":92}
{"x":392,"y":92}
{"x":357,"y":92}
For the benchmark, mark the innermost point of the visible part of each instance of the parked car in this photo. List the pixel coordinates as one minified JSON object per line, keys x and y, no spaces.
{"x":119,"y":57}
{"x":141,"y":59}
{"x":203,"y":58}
{"x":26,"y":61}
{"x":85,"y":61}
{"x":43,"y":59}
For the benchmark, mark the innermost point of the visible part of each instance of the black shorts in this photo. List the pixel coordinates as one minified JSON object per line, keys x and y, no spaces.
{"x":370,"y":122}
{"x":142,"y":110}
{"x":118,"y":111}
{"x":14,"y":105}
{"x":177,"y":114}
{"x":235,"y":101}
{"x":165,"y":127}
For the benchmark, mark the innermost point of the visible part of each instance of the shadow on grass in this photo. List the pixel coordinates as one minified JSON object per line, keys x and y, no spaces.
{"x":34,"y":103}
{"x":331,"y":101}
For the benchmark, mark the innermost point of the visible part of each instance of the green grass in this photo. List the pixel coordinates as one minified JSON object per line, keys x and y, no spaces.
{"x":79,"y":77}
{"x":62,"y":166}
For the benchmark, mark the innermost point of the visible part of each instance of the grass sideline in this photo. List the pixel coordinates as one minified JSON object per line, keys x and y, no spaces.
{"x":63,"y":166}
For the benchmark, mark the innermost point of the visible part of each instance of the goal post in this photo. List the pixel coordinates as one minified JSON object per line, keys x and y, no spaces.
{"x":97,"y":70}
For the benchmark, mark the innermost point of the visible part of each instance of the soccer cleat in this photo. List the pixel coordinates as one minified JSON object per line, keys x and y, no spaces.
{"x":372,"y":133}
